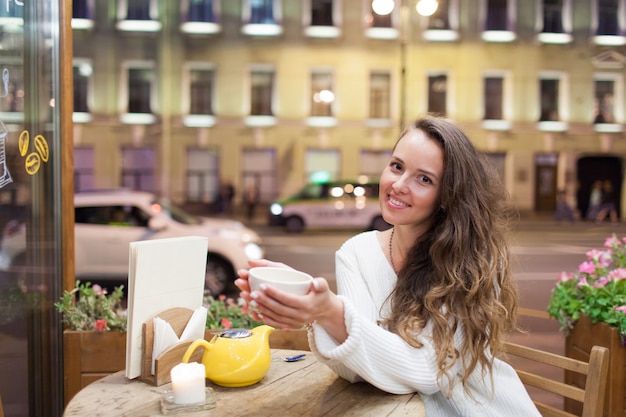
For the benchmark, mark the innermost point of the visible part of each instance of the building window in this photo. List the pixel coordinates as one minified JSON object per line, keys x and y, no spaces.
{"x":493,"y":98}
{"x":322,"y":18}
{"x":83,"y":168}
{"x":443,"y":25}
{"x":261,"y":89}
{"x":201,"y":11}
{"x":322,"y":164}
{"x":81,"y":9}
{"x":608,"y":17}
{"x":440,"y":20}
{"x":437,"y":88}
{"x":259,"y":175}
{"x":202,"y":175}
{"x":373,"y":162}
{"x":82,"y":85}
{"x":604,"y":101}
{"x":549,"y":96}
{"x":556,"y":22}
{"x":138,"y":16}
{"x":139,"y":86}
{"x":201,"y":91}
{"x":138,"y":10}
{"x":380,"y":90}
{"x":381,"y":26}
{"x":322,"y":96}
{"x":322,"y":13}
{"x":499,"y":21}
{"x":262,"y":17}
{"x":138,"y":168}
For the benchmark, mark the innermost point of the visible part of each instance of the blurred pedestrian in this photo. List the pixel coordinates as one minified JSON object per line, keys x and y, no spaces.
{"x":251,"y":198}
{"x":563,"y":209}
{"x":595,"y":199}
{"x":607,"y":206}
{"x":227,"y":193}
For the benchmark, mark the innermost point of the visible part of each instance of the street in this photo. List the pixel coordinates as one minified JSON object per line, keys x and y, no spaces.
{"x":541,"y":249}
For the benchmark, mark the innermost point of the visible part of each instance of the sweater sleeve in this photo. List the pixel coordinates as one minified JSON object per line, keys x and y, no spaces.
{"x":372,"y":353}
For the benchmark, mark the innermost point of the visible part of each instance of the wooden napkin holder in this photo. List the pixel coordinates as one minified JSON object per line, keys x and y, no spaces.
{"x":177,"y":318}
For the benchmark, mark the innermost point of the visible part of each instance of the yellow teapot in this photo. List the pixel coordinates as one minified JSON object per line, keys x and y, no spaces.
{"x":235,"y":357}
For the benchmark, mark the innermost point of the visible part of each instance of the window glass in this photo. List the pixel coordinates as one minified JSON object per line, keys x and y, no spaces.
{"x":380,"y":87}
{"x":138,"y":10}
{"x":437,"y":86}
{"x":493,"y":98}
{"x":497,"y":17}
{"x":201,"y":11}
{"x":202,"y":175}
{"x":322,"y":13}
{"x":553,"y":16}
{"x":82,"y":74}
{"x":322,"y":95}
{"x":201,"y":91}
{"x":322,"y":161}
{"x":440,"y":19}
{"x":549,"y":99}
{"x":608,"y":15}
{"x":80,"y":9}
{"x":139,"y":90}
{"x":604,"y":101}
{"x":259,"y":174}
{"x":262,"y":83}
{"x":138,"y":168}
{"x":262,"y":11}
{"x":14,"y":94}
{"x":83,"y":168}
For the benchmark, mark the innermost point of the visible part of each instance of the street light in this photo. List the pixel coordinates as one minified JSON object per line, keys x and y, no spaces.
{"x":423,"y":7}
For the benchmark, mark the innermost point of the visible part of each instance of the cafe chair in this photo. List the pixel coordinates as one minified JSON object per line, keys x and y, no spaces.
{"x":595,"y":372}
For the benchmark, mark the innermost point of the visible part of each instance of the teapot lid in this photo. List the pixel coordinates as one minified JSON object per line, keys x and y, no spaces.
{"x":235,"y":333}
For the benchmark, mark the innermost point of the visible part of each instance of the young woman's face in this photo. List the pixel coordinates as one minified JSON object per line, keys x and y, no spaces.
{"x":410,"y":183}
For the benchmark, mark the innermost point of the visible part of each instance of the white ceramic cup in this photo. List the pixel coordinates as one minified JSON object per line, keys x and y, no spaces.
{"x":288,"y":280}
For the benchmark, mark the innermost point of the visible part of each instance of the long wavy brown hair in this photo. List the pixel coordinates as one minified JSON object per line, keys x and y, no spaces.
{"x":457,"y":275}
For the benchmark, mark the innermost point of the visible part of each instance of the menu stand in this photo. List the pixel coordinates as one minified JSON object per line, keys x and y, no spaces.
{"x":178,"y":318}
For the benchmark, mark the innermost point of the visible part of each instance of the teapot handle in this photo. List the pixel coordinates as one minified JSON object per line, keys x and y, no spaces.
{"x":193,"y":346}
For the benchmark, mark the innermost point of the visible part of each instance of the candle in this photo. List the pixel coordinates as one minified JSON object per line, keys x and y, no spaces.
{"x":188,"y":383}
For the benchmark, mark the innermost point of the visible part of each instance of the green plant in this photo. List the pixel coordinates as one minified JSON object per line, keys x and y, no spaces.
{"x":227,"y":313}
{"x":90,"y":307}
{"x":597,"y":290}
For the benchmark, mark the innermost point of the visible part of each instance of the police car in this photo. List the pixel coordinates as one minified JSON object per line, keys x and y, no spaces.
{"x":332,"y":204}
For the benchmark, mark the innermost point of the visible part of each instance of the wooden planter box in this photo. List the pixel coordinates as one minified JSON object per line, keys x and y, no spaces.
{"x":578,"y":345}
{"x":89,"y":356}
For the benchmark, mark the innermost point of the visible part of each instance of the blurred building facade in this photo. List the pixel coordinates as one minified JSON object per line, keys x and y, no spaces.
{"x":177,"y":97}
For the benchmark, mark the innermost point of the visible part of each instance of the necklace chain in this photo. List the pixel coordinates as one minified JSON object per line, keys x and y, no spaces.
{"x":393,"y":264}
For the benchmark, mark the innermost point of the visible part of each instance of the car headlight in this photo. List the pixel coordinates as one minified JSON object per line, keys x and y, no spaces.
{"x":253,"y":251}
{"x":276,"y":209}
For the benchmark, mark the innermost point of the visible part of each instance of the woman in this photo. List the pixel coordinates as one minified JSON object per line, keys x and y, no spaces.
{"x":425,"y":305}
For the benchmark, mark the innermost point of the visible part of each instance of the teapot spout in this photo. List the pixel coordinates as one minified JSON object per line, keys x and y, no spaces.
{"x":263,"y":333}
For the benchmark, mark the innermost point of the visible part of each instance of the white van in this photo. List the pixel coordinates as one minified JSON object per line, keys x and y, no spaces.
{"x":333,"y":204}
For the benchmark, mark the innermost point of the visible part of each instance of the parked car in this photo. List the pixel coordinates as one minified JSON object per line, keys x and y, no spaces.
{"x":107,"y":221}
{"x":336,"y":204}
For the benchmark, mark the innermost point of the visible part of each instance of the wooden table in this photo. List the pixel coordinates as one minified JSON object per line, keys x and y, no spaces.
{"x":302,"y":388}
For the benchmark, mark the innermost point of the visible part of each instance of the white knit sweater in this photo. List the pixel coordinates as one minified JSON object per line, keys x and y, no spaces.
{"x":373,"y":354}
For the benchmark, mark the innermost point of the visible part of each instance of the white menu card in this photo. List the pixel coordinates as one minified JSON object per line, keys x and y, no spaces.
{"x":162,"y":274}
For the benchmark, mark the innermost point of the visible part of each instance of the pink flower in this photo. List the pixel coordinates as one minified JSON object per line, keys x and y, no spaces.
{"x":621,"y":308}
{"x":225,"y":323}
{"x":618,"y":274}
{"x":611,"y":241}
{"x":582,"y":282}
{"x":587,"y":267}
{"x":600,"y":282}
{"x":222,"y":297}
{"x":98,"y":290}
{"x":101,"y":325}
{"x":565,"y":276}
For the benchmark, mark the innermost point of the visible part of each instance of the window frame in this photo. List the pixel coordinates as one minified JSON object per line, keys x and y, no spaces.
{"x":322,"y":120}
{"x":262,"y":29}
{"x":506,"y":105}
{"x":618,"y":98}
{"x":549,"y":37}
{"x":138,"y":25}
{"x":124,"y":91}
{"x":617,"y":39}
{"x":322,"y":31}
{"x":449,"y":34}
{"x":196,"y":119}
{"x":496,"y":35}
{"x":372,"y":120}
{"x":561,"y":123}
{"x":79,"y":116}
{"x":201,"y":27}
{"x":447,"y":99}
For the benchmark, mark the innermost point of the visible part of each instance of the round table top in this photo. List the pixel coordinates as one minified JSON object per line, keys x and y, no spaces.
{"x":302,"y":388}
